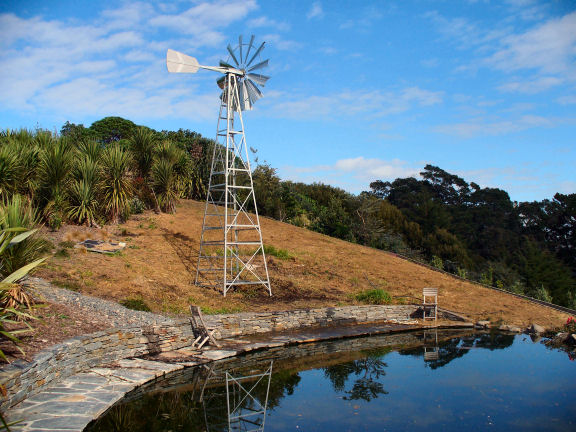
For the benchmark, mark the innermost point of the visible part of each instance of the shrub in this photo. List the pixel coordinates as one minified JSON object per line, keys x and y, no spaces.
{"x":136,"y":205}
{"x":437,"y":262}
{"x":374,"y":296}
{"x":164,"y":185}
{"x":278,"y":253}
{"x":116,"y":183}
{"x":135,"y":304}
{"x":570,"y":325}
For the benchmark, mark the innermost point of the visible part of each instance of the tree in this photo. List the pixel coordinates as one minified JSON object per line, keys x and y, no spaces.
{"x":112,"y":129}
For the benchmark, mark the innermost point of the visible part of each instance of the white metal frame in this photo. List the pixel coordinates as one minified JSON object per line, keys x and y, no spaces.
{"x":231,"y":248}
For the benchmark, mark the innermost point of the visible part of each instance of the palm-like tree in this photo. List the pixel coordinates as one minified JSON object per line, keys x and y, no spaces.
{"x":116,"y":185}
{"x":142,"y":146}
{"x":164,"y":184}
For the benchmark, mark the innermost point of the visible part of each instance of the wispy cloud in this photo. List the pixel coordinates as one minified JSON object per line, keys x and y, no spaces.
{"x":487,"y":127}
{"x":352,"y":174}
{"x":267,"y":22}
{"x":315,"y":11}
{"x":376,"y":103}
{"x":549,"y":48}
{"x":535,"y":85}
{"x":98,"y":67}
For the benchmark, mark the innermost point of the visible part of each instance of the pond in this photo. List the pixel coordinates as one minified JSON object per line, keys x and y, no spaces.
{"x":449,"y":381}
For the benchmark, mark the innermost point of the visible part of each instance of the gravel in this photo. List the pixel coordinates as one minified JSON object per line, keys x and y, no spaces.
{"x":116,"y":314}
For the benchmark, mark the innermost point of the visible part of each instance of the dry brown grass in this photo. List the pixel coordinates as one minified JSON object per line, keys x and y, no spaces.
{"x":158,"y":266}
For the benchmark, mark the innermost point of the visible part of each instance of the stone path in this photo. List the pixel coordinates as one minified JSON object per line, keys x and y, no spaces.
{"x":73,"y":403}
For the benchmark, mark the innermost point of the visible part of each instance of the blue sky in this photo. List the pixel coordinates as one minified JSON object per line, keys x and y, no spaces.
{"x":360,"y":90}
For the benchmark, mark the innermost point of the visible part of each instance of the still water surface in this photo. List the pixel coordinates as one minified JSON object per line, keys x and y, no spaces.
{"x":441,"y":381}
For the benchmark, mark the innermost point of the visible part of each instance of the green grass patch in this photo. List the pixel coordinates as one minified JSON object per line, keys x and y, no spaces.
{"x":135,"y":304}
{"x":62,"y":253}
{"x":278,"y":253}
{"x":374,"y":296}
{"x":67,"y":244}
{"x":220,"y":311}
{"x":67,"y":284}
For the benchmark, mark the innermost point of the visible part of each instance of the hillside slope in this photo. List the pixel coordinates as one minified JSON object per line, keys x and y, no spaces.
{"x":158,"y":267}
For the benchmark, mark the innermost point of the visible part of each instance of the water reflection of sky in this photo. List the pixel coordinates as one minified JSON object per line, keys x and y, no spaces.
{"x":523,"y":387}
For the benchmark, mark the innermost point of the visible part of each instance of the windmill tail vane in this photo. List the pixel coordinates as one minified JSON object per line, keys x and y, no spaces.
{"x":232,"y":252}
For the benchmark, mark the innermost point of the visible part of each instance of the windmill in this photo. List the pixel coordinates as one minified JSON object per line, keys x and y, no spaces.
{"x":231,"y":249}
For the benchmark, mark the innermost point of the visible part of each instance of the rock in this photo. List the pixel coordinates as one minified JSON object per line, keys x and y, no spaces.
{"x":535,"y":338}
{"x":504,"y":327}
{"x":483,"y":324}
{"x":572,"y":339}
{"x":536,"y":329}
{"x":515,"y":329}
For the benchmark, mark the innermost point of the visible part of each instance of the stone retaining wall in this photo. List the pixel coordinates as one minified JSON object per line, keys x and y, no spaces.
{"x":22,"y":379}
{"x":263,"y":322}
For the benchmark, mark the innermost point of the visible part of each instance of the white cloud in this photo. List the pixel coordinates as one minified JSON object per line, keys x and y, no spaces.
{"x":111,"y":63}
{"x":204,"y":19}
{"x":375,"y":103}
{"x":481,"y":126}
{"x":353,"y":174}
{"x":535,"y":85}
{"x":567,"y":100}
{"x":363,"y":168}
{"x":267,"y":22}
{"x":550,"y":48}
{"x":315,"y":11}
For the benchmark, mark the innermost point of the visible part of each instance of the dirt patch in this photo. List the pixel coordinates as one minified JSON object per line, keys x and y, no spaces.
{"x":159,"y":263}
{"x":55,"y":324}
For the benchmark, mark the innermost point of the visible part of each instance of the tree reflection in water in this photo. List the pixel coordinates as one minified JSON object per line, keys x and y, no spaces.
{"x":368,"y":371}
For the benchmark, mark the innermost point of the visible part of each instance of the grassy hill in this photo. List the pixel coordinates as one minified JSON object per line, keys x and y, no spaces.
{"x":158,"y":268}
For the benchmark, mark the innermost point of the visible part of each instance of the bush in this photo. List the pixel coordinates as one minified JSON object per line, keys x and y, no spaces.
{"x":437,"y":262}
{"x":137,"y":206}
{"x":278,"y":253}
{"x":375,"y":296}
{"x":136,"y":304}
{"x":570,"y":325}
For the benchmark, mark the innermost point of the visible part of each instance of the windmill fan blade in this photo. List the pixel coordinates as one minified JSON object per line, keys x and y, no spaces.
{"x":245,"y":101}
{"x":258,"y":79}
{"x":178,"y":62}
{"x":255,"y":54}
{"x":231,"y":51}
{"x":259,"y":66}
{"x":240,"y":47}
{"x":249,"y":47}
{"x":253,"y":91}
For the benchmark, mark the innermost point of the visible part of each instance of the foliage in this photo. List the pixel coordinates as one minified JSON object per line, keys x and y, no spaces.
{"x":164,"y":184}
{"x":570,"y":325}
{"x":278,"y":253}
{"x":116,"y":185}
{"x":135,"y":304}
{"x":15,"y":213}
{"x":437,"y":262}
{"x":11,"y":298}
{"x":142,"y":146}
{"x":112,"y":129}
{"x":376,"y":296}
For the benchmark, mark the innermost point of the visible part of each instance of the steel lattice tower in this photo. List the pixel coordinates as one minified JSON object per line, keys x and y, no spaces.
{"x":231,"y":249}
